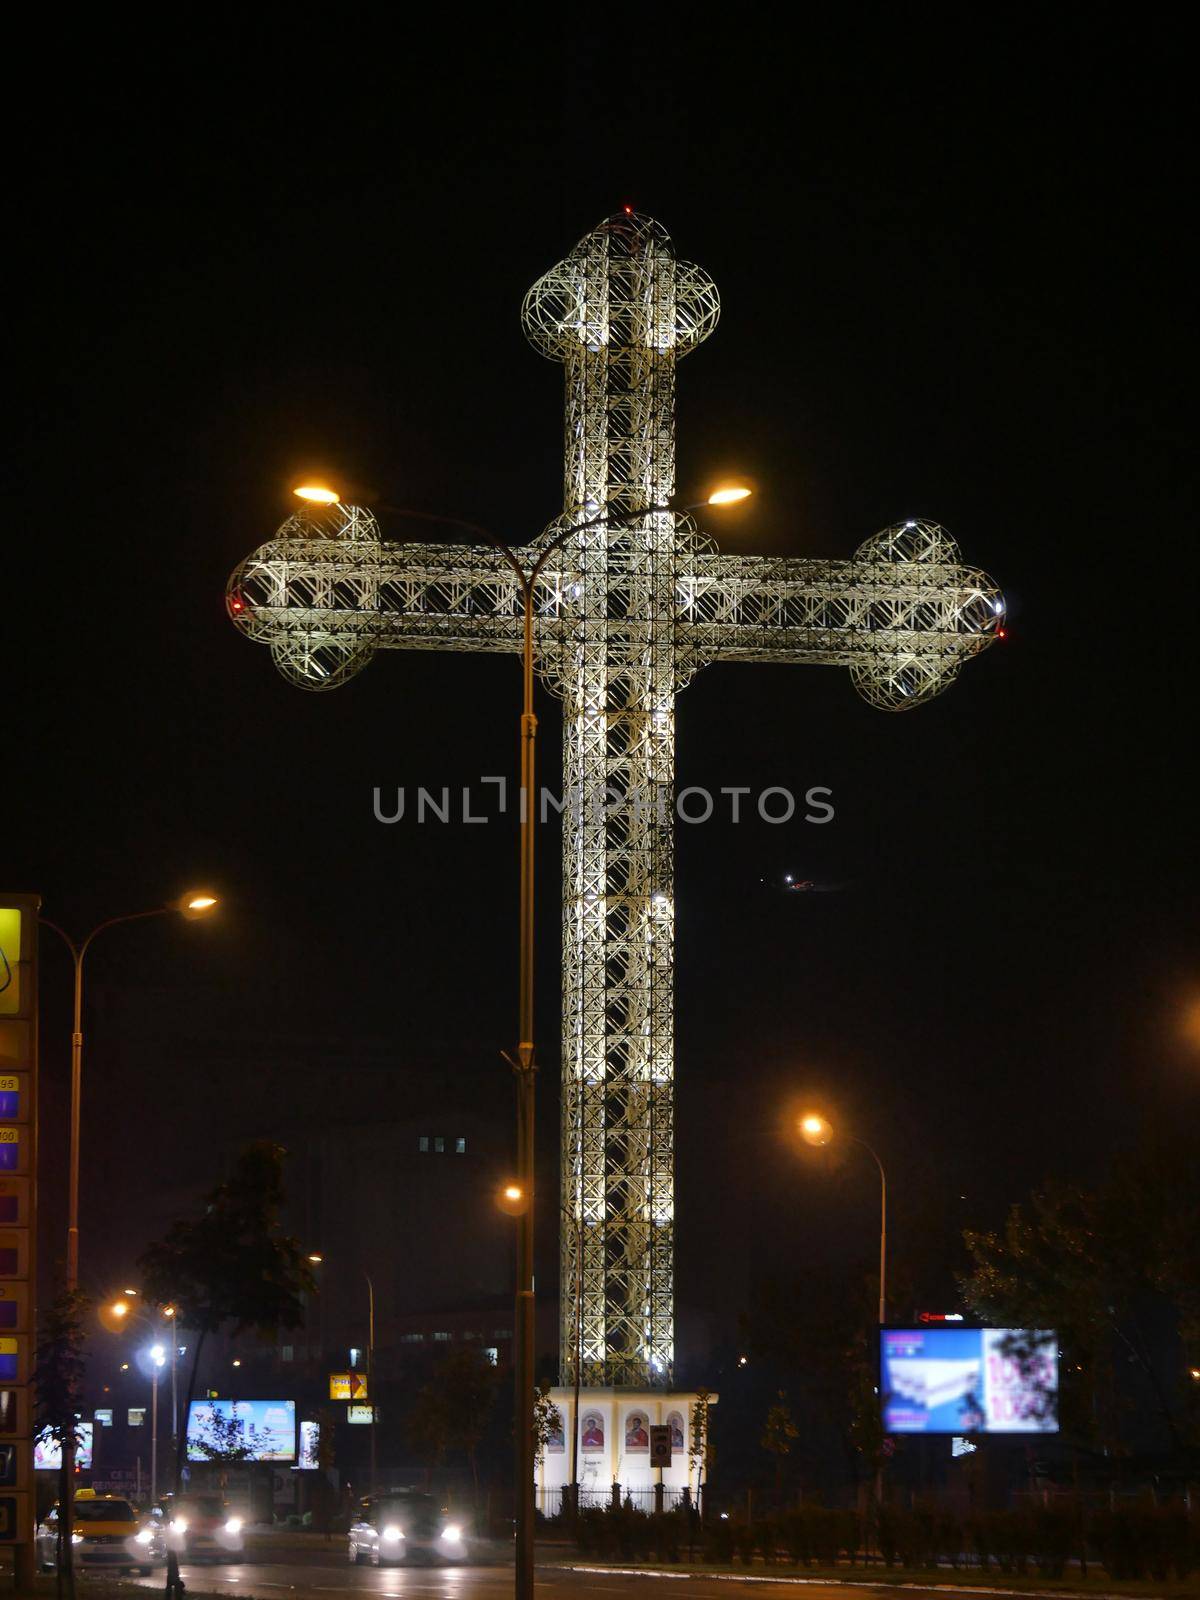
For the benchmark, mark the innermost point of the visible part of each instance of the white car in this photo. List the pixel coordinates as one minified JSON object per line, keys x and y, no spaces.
{"x":405,"y":1527}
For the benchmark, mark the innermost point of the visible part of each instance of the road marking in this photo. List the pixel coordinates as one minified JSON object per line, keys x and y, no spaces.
{"x":844,"y":1583}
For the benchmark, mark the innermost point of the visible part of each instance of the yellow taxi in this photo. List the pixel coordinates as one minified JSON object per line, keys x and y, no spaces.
{"x":106,"y":1532}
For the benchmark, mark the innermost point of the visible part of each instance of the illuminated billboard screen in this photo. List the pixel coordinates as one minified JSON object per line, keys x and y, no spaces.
{"x":310,"y":1445}
{"x":241,"y":1430}
{"x":47,"y":1452}
{"x":968,"y":1380}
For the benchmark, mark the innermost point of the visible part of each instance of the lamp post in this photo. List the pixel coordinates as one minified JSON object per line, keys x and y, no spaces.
{"x":816,"y":1130}
{"x":115,"y":1316}
{"x":188,"y":905}
{"x":316,"y":1257}
{"x":371,"y":1373}
{"x":522,"y":1059}
{"x":158,"y":1358}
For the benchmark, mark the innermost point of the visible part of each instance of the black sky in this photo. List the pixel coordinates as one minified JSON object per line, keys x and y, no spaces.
{"x":954,"y":283}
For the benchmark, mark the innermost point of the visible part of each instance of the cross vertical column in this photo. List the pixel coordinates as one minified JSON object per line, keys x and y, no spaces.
{"x":617,"y":676}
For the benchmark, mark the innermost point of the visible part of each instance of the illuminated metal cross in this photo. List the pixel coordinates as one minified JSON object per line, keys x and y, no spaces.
{"x":626,"y":613}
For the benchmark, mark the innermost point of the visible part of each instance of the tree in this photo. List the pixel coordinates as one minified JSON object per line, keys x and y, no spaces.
{"x":780,"y":1433}
{"x":231,"y":1267}
{"x":452,"y":1409}
{"x":58,"y":1386}
{"x":547,"y":1420}
{"x":700,"y":1450}
{"x":821,"y":1331}
{"x":222,"y":1437}
{"x":1115,"y":1272}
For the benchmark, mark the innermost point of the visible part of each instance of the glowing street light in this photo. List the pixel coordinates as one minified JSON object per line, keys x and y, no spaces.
{"x":814,"y":1129}
{"x":317,"y":494}
{"x":729,"y":494}
{"x":512,"y":1199}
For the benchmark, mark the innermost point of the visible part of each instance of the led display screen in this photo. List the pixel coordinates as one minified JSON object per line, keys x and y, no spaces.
{"x":968,"y":1380}
{"x":242,"y":1430}
{"x":47,"y":1452}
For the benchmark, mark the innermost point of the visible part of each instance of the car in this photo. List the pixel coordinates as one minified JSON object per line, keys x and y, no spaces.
{"x":106,"y":1532}
{"x":404,"y":1526}
{"x":202,"y":1525}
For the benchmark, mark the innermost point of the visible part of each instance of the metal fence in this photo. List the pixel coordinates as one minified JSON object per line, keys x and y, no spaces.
{"x":557,"y":1502}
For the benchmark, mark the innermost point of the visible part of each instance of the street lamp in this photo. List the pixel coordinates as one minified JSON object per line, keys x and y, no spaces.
{"x":511,"y":1199}
{"x":116,"y":1315}
{"x":817,"y":1130}
{"x":196,"y":903}
{"x":316,"y":1257}
{"x":522,"y":1059}
{"x":157,"y":1357}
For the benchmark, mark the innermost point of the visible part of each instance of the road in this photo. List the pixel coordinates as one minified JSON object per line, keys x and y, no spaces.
{"x":320,"y":1572}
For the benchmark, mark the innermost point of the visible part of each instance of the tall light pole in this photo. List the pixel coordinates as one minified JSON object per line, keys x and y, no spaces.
{"x":816,"y":1130}
{"x":188,"y":905}
{"x":157,"y":1356}
{"x":371,"y":1374}
{"x":316,"y":1257}
{"x":117,"y":1315}
{"x":522,"y":1059}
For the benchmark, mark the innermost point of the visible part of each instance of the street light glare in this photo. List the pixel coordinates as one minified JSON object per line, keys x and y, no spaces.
{"x":119,"y":1308}
{"x":317,"y":494}
{"x":202,"y":902}
{"x":316,"y":1258}
{"x":814,"y":1129}
{"x":729,"y":494}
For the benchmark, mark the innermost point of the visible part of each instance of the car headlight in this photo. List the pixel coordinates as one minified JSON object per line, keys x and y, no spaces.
{"x":145,"y":1537}
{"x":393,"y":1533}
{"x":76,"y":1538}
{"x":179,"y":1525}
{"x":452,"y":1533}
{"x":234,"y":1525}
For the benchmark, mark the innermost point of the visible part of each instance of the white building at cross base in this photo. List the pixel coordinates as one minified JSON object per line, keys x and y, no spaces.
{"x":614,"y":1446}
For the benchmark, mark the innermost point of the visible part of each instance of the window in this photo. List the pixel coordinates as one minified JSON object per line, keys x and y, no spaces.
{"x":137,"y":1416}
{"x":412,"y":1338}
{"x":501,"y":1333}
{"x":441,"y":1336}
{"x":287,"y":1352}
{"x":423,"y":1144}
{"x":439,"y":1145}
{"x":460,"y":1147}
{"x":104,"y":1417}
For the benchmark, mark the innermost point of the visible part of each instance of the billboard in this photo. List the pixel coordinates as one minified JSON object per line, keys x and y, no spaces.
{"x":310,"y":1446}
{"x":241,"y":1430}
{"x":47,"y":1452}
{"x":968,"y":1380}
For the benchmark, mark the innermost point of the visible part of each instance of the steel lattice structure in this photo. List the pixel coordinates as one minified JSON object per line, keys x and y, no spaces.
{"x":627,"y":610}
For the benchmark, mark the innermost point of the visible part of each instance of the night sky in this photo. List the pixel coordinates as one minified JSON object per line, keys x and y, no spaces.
{"x":954,"y":284}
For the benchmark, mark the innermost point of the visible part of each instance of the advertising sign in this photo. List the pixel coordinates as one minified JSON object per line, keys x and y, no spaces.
{"x":243,"y":1430}
{"x":47,"y":1452}
{"x":969,"y":1380}
{"x":310,"y":1446}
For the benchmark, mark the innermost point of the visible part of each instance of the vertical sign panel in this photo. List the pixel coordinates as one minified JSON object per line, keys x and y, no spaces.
{"x":18,"y":1201}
